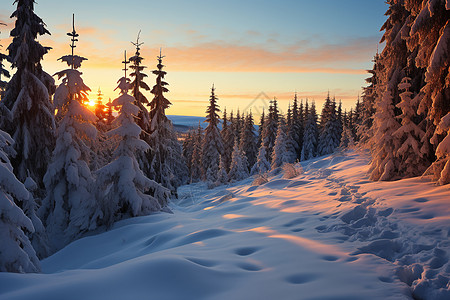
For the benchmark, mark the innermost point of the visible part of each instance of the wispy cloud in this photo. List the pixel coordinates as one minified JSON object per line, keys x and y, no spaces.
{"x":302,"y":56}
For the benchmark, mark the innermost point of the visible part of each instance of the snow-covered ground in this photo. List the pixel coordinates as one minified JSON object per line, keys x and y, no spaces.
{"x":326,"y":234}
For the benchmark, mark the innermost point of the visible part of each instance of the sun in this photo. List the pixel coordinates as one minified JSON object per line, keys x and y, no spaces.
{"x":91,"y":103}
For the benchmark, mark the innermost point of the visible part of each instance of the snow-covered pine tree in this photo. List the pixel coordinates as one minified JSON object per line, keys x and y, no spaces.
{"x":339,"y":120}
{"x":441,"y":167}
{"x":348,"y":136}
{"x":430,"y":41}
{"x":238,"y":124}
{"x":222,"y":175}
{"x":364,"y":129}
{"x":212,"y":146}
{"x":196,"y":163}
{"x":330,"y":132}
{"x":310,"y":137}
{"x":270,"y":128}
{"x":384,"y":163}
{"x":280,"y":154}
{"x":260,"y":129}
{"x":165,"y":158}
{"x":238,"y":168}
{"x":248,"y":141}
{"x":228,"y":138}
{"x":137,"y":83}
{"x":16,"y":252}
{"x":124,"y":191}
{"x":262,"y":165}
{"x":411,"y":162}
{"x":27,"y":96}
{"x":296,"y":130}
{"x":70,"y":207}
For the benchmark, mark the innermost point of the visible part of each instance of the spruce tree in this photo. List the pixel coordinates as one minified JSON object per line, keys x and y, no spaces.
{"x":364,"y":130}
{"x":27,"y":97}
{"x":212,"y":146}
{"x":222,"y":175}
{"x":239,"y":167}
{"x":70,"y":207}
{"x":137,"y":83}
{"x":228,"y":139}
{"x":123,"y":189}
{"x":16,"y":252}
{"x":260,"y":129}
{"x":262,"y":165}
{"x":296,"y":130}
{"x":249,"y":140}
{"x":310,"y":137}
{"x":330,"y":131}
{"x":411,"y":162}
{"x":384,"y":163}
{"x":280,"y":153}
{"x":270,"y":128}
{"x":430,"y":41}
{"x":165,"y":161}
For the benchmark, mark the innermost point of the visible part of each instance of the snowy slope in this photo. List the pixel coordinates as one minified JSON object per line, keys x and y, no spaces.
{"x":326,"y":234}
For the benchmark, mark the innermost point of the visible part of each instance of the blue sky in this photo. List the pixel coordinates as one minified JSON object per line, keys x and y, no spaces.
{"x":244,"y":47}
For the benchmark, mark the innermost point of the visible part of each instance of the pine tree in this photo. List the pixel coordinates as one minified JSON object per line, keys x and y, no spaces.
{"x":296,"y":130}
{"x":429,"y":41}
{"x":260,"y":129}
{"x":109,"y":113}
{"x":410,"y":160}
{"x":348,"y":136}
{"x":16,"y":252}
{"x":310,"y":137}
{"x":270,"y":128}
{"x":196,"y":164}
{"x":212,"y":146}
{"x":228,"y":138}
{"x":165,"y":160}
{"x":364,"y":130}
{"x":27,"y":96}
{"x":441,"y":167}
{"x":280,"y":154}
{"x":143,"y":117}
{"x":262,"y":165}
{"x":330,"y":132}
{"x":222,"y":175}
{"x":123,"y":188}
{"x":384,"y":164}
{"x":248,"y":141}
{"x":69,"y":207}
{"x":239,"y":167}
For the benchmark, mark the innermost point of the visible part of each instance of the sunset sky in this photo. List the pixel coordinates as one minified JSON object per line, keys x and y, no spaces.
{"x":243,"y":47}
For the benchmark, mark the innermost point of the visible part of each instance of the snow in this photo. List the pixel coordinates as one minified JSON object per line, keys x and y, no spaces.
{"x":328,"y":233}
